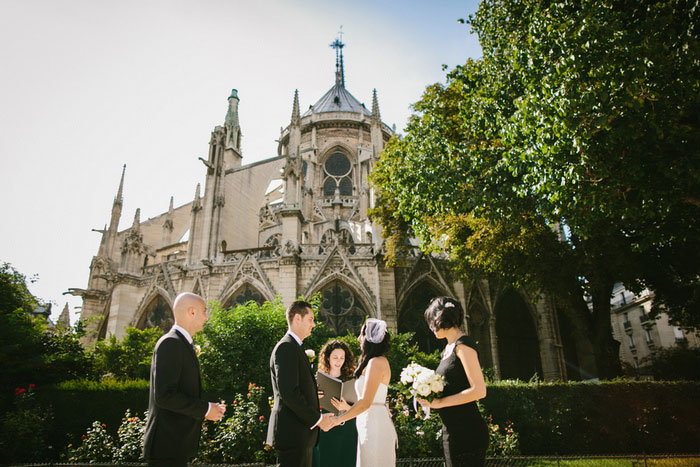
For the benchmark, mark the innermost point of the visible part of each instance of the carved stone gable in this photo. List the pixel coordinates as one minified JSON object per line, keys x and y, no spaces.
{"x":339,"y":266}
{"x":249,"y":270}
{"x":267,"y":217}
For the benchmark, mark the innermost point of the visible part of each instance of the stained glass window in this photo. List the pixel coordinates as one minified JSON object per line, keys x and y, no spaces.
{"x":338,"y":171}
{"x":157,"y":315}
{"x":341,"y":310}
{"x":245,"y":295}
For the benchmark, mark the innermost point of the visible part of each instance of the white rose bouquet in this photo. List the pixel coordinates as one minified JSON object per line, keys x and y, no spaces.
{"x":420,"y":381}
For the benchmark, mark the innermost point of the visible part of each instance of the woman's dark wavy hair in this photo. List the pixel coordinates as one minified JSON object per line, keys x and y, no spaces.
{"x":443,"y":313}
{"x":370,"y":350}
{"x":324,"y":362}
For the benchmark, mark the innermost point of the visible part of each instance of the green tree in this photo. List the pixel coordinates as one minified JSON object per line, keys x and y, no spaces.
{"x":32,"y":352}
{"x":565,"y":160}
{"x":64,"y":355}
{"x":674,"y":364}
{"x":236,"y":344}
{"x":128,"y":358}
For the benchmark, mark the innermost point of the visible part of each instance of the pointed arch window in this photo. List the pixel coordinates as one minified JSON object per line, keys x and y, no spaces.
{"x":341,"y":310}
{"x":245,"y":295}
{"x":157,"y":315}
{"x":338,"y":175}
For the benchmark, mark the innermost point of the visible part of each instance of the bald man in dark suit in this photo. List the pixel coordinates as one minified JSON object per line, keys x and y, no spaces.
{"x":175,"y":410}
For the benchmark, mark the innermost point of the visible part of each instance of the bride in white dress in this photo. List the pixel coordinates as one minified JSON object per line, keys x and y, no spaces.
{"x":376,"y":436}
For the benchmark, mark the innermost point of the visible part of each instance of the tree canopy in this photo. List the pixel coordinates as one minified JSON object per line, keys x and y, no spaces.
{"x":564,"y":160}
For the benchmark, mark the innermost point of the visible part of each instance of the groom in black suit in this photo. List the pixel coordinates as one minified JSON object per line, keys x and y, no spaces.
{"x":175,"y":410}
{"x":296,"y":416}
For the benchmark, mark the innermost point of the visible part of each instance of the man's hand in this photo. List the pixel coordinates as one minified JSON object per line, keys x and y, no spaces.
{"x":326,"y":422}
{"x":216,"y":411}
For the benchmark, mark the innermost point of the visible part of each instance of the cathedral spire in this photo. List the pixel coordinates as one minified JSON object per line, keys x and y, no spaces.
{"x":168,"y":225}
{"x":64,"y":318}
{"x":295,"y":107}
{"x":119,"y":198}
{"x":137,"y":220}
{"x":233,"y":128}
{"x":197,"y":202}
{"x":375,"y":107}
{"x":232,"y":113}
{"x":338,"y":45}
{"x":116,"y":214}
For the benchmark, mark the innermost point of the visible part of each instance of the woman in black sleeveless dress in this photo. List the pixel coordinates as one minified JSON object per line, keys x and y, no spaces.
{"x":465,"y":437}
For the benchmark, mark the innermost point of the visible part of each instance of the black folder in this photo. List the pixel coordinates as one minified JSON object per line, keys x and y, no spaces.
{"x":334,"y":387}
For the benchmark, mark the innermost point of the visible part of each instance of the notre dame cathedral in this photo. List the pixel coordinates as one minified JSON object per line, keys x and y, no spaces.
{"x":296,"y":225}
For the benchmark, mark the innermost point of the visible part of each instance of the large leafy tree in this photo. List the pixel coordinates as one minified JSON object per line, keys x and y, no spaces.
{"x":32,"y":352}
{"x":565,"y":160}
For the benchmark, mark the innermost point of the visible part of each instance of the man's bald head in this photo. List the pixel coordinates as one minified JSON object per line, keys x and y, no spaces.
{"x":188,"y":309}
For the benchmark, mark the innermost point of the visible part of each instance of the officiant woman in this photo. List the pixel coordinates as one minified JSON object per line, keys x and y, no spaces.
{"x":338,"y":446}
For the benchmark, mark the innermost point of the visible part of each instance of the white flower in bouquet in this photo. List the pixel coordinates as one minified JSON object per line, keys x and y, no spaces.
{"x":422,"y":381}
{"x":423,"y":389}
{"x":437,"y":385}
{"x":408,"y":374}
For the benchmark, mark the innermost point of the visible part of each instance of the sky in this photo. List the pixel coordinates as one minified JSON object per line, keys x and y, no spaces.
{"x":87,"y":86}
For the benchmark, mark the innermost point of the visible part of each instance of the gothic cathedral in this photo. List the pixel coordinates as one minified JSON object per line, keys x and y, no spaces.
{"x":297,"y":225}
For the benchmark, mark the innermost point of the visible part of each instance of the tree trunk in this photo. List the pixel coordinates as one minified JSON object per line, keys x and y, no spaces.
{"x":605,"y":347}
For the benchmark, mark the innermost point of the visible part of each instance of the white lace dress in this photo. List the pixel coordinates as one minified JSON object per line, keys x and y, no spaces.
{"x":376,"y":436}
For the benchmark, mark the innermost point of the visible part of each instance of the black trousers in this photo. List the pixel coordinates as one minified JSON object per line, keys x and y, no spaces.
{"x":295,"y":457}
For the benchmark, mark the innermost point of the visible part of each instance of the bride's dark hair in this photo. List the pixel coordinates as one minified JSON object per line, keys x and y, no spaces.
{"x":370,"y":350}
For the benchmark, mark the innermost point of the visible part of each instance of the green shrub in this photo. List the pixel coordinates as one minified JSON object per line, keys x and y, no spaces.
{"x":130,"y":438}
{"x":418,"y":437}
{"x":24,"y":428}
{"x":96,"y":445}
{"x":503,"y":442}
{"x":240,"y":438}
{"x":675,"y":364}
{"x":611,"y":417}
{"x":128,"y":358}
{"x":236,"y":344}
{"x":31,"y":351}
{"x":96,"y":400}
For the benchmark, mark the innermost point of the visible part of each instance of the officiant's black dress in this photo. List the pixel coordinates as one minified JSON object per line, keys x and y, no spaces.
{"x":337,"y":447}
{"x":465,"y":437}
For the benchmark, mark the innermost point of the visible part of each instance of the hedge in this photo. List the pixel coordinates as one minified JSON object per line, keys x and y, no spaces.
{"x":614,"y":417}
{"x":76,"y":404}
{"x":550,"y":418}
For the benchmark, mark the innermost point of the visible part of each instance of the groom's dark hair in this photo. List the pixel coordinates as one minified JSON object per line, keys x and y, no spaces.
{"x":300,"y":307}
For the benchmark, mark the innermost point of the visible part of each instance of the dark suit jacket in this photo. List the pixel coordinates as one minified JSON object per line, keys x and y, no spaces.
{"x":175,"y":410}
{"x":296,"y":407}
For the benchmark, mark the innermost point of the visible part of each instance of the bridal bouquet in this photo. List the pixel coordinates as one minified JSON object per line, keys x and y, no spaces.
{"x":420,"y":381}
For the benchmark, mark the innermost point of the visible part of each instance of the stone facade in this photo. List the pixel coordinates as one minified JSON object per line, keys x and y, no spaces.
{"x":296,"y":225}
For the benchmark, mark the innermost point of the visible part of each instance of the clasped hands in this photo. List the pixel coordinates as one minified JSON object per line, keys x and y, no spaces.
{"x":328,"y":420}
